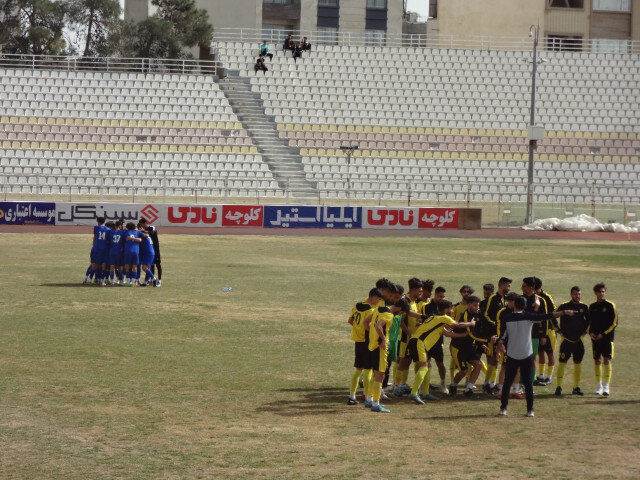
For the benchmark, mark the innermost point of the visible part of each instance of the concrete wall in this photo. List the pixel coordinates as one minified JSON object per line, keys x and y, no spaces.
{"x":308,"y":15}
{"x":233,"y":13}
{"x":137,"y":10}
{"x":489,"y":17}
{"x":635,"y":19}
{"x":352,"y":15}
{"x":394,"y":17}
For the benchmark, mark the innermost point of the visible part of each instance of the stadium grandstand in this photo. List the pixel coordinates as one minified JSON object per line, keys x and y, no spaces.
{"x":431,"y":124}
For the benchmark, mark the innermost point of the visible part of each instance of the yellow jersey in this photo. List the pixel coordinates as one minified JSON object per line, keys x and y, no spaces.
{"x":458,"y":311}
{"x":361,"y":311}
{"x":380,"y":313}
{"x":431,"y":330}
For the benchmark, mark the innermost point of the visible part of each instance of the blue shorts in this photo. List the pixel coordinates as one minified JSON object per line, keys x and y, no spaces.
{"x":99,"y":256}
{"x":131,"y":258}
{"x":115,"y":257}
{"x":147,"y":259}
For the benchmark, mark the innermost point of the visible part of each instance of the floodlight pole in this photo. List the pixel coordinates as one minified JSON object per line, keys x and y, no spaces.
{"x":349,"y":149}
{"x":533,"y":31}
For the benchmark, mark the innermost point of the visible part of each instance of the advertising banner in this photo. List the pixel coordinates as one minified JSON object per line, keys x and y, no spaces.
{"x":27,"y":213}
{"x":312,"y":217}
{"x":85,"y":213}
{"x":409,"y":218}
{"x":242,"y":215}
{"x":190,"y":215}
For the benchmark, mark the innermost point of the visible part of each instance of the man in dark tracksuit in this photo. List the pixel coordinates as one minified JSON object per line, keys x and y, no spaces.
{"x":153,"y":234}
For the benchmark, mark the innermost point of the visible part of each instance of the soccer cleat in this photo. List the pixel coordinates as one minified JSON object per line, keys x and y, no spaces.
{"x":368,"y":403}
{"x":517,"y":395}
{"x":605,"y":390}
{"x":599,"y":389}
{"x":577,"y":391}
{"x":429,"y":396}
{"x":142,"y":284}
{"x":530,"y":413}
{"x":559,"y":391}
{"x":503,"y":412}
{"x":416,"y":399}
{"x":380,"y":409}
{"x":453,"y":389}
{"x":495,"y":390}
{"x":538,"y":382}
{"x":486,"y":388}
{"x":158,"y":283}
{"x":468,"y":392}
{"x":352,"y":401}
{"x":444,"y":389}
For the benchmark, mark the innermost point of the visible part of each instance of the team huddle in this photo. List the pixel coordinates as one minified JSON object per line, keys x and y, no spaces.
{"x":392,"y":329}
{"x":120,"y":252}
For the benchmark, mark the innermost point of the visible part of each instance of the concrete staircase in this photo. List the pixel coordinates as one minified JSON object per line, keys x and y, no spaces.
{"x":284,"y":161}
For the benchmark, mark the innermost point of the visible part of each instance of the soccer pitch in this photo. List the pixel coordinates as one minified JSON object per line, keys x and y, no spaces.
{"x":189,"y":381}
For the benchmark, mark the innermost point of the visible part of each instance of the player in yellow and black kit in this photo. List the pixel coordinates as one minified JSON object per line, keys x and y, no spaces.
{"x":379,"y":326}
{"x":547,"y":341}
{"x":604,"y":319}
{"x":361,"y":311}
{"x":423,"y":340}
{"x":572,"y":329}
{"x":437,"y":350}
{"x":458,"y":310}
{"x":466,"y":351}
{"x":495,"y":303}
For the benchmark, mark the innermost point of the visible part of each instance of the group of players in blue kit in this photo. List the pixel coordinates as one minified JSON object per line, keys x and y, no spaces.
{"x":120,"y":252}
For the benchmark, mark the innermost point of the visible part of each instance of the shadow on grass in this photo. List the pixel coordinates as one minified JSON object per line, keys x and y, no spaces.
{"x":316,"y":401}
{"x":77,"y":285}
{"x":456,"y":417}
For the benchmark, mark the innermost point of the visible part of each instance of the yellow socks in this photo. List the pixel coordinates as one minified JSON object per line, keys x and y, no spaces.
{"x":484,"y":367}
{"x":577,"y":373}
{"x":377,"y":390}
{"x":395,"y":373}
{"x":426,"y":382}
{"x":354,"y":381}
{"x":607,"y":373}
{"x":560,"y":375}
{"x":550,"y":369}
{"x":366,"y":380}
{"x":420,"y":374}
{"x":598,"y":371}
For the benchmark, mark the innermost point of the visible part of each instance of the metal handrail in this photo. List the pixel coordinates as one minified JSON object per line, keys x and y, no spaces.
{"x":439,"y":41}
{"x":110,"y":64}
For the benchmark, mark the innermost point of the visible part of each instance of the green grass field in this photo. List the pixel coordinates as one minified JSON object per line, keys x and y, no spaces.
{"x":187,"y":381}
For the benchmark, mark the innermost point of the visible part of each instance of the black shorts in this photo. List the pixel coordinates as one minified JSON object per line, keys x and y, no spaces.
{"x":416,"y":351}
{"x":548,"y":346}
{"x":363,"y":356}
{"x":571,"y":349}
{"x":602,"y":347}
{"x":464,"y":356}
{"x":437,"y":353}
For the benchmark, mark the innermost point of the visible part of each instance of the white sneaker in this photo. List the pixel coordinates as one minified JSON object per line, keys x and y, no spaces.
{"x":503,"y":412}
{"x":444,"y":389}
{"x":599,"y":389}
{"x":530,"y":413}
{"x":605,"y":390}
{"x":158,"y":283}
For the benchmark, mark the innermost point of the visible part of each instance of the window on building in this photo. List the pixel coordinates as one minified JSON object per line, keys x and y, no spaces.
{"x":612,"y":5}
{"x":328,"y":3}
{"x":279,"y":2}
{"x":374,"y":37}
{"x":433,"y":8}
{"x":609,"y":45}
{"x":565,"y":3}
{"x":327,"y":36}
{"x":381,"y":4}
{"x":559,"y":43}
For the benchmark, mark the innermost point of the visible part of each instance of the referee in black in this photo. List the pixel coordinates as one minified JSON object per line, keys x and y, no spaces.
{"x":153,"y":234}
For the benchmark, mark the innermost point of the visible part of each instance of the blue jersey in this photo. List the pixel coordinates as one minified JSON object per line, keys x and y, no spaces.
{"x":130,"y":246}
{"x":116,"y":240}
{"x":146,"y":247}
{"x":101,"y":236}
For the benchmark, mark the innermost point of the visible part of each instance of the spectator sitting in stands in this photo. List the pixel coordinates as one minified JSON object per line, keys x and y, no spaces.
{"x":264,"y":50}
{"x":297,"y":52}
{"x":305,"y":45}
{"x":260,"y":65}
{"x":288,"y":43}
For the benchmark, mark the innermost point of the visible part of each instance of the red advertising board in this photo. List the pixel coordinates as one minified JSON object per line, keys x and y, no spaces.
{"x":242,"y":215}
{"x":409,"y":218}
